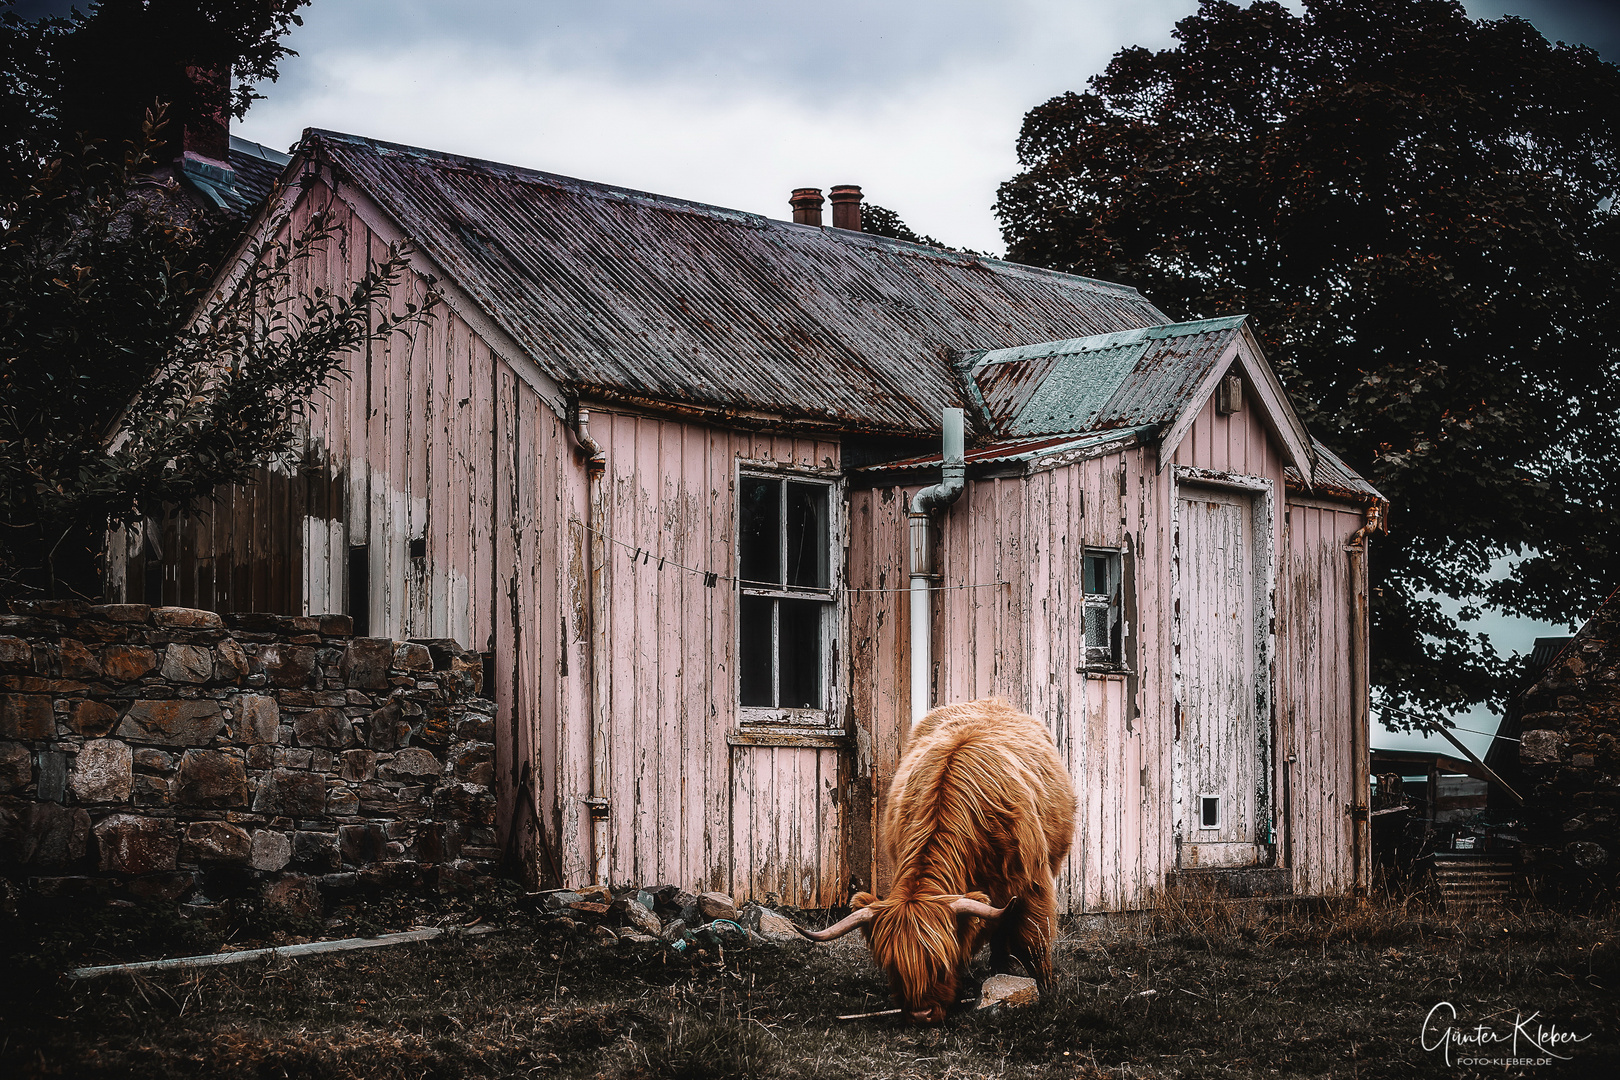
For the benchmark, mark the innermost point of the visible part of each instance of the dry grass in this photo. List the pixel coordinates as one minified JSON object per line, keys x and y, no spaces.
{"x":1190,"y":990}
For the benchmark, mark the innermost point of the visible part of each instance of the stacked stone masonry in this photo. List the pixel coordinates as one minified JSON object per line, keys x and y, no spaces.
{"x":1570,"y":754}
{"x":174,"y":754}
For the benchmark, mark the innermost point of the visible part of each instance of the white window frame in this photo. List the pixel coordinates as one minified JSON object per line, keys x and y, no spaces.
{"x":1111,"y":658}
{"x":776,"y":720}
{"x":1218,"y":810}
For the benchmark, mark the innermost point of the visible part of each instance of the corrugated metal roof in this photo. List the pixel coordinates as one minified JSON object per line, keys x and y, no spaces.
{"x":621,"y":291}
{"x":1122,"y":379}
{"x":1009,"y":451}
{"x":257,"y":168}
{"x":1334,"y":478}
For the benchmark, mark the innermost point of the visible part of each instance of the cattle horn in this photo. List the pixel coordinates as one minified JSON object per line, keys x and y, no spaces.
{"x":964,"y":905}
{"x":839,"y":928}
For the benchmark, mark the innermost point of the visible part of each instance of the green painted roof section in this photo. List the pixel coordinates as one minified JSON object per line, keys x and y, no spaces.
{"x":1124,"y":379}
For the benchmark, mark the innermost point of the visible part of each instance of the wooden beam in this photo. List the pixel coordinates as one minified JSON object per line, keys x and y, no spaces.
{"x":1490,"y":776}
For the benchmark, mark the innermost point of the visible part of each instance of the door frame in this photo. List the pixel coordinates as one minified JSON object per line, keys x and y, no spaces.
{"x":1263,"y":542}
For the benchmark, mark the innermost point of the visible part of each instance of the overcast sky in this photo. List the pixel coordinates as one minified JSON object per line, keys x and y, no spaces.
{"x":734,"y":102}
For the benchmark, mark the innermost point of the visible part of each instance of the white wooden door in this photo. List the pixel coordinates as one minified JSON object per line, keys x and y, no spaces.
{"x":1217,"y":642}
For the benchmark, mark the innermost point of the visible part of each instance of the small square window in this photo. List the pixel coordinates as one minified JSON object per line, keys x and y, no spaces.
{"x":1102,"y":586}
{"x":786,"y":605}
{"x":1209,"y":812}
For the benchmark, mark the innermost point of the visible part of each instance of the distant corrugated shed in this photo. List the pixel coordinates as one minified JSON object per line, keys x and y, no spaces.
{"x":1126,"y":379}
{"x":628,"y":293}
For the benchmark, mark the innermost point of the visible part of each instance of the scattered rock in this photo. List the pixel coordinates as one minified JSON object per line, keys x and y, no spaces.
{"x":674,"y":931}
{"x":557,"y":899}
{"x":603,"y":935}
{"x":589,"y":908}
{"x":104,"y":771}
{"x":1009,"y":990}
{"x":774,"y":926}
{"x":294,"y":894}
{"x":716,"y":905}
{"x":596,"y":892}
{"x":639,"y":939}
{"x":642,"y":919}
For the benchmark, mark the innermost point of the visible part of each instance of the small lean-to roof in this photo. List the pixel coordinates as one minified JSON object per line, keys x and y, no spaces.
{"x":1124,"y":379}
{"x":1148,"y":377}
{"x":625,"y":294}
{"x":1335,"y":479}
{"x":1018,"y":451}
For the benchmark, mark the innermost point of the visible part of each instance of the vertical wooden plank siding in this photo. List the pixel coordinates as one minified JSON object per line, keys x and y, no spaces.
{"x":1313,"y":699}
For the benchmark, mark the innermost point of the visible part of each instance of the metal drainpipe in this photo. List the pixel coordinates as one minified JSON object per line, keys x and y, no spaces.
{"x":953,"y":479}
{"x":1360,"y":709}
{"x":597,"y":801}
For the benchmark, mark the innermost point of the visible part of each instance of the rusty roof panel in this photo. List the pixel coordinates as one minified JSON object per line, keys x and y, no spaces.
{"x":621,"y":291}
{"x":1004,"y":451}
{"x":1335,"y":479}
{"x":1121,"y":379}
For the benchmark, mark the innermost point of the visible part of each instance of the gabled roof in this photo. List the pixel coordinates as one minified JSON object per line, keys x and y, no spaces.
{"x":621,"y":293}
{"x":1124,"y":379}
{"x":1157,"y":376}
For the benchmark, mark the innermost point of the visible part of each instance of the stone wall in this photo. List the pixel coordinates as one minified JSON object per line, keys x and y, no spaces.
{"x":170,"y":753}
{"x":1570,"y":754}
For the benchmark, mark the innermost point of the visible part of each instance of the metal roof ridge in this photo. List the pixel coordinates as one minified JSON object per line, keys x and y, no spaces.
{"x":577,"y":185}
{"x":1099,"y":342}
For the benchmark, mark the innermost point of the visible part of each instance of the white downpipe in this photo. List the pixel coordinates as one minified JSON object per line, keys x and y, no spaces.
{"x":923,"y":504}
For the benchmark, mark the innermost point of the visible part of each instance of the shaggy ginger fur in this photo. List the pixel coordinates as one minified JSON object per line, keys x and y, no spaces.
{"x":980,"y":807}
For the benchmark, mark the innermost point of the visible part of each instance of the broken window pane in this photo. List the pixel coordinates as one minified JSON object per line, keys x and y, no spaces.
{"x":801,"y":653}
{"x":754,"y":650}
{"x":759,"y":529}
{"x":807,"y":554}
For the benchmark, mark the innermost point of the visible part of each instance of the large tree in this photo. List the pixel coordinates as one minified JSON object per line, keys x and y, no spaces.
{"x":1418,"y":210}
{"x":115,"y":402}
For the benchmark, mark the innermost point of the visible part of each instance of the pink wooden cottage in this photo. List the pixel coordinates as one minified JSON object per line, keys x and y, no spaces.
{"x":677,"y":471}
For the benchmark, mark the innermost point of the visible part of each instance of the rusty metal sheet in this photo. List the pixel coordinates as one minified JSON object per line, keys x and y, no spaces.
{"x":1335,"y":479}
{"x":635,"y":294}
{"x":1007,"y":451}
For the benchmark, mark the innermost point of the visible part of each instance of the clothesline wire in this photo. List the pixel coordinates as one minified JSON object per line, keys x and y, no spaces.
{"x":645,"y":554}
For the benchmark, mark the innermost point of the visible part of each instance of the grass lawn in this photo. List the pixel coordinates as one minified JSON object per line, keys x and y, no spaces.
{"x":1196,"y":991}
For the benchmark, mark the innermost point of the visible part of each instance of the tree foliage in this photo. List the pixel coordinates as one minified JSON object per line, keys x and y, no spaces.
{"x":121,"y":395}
{"x":1418,"y":209}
